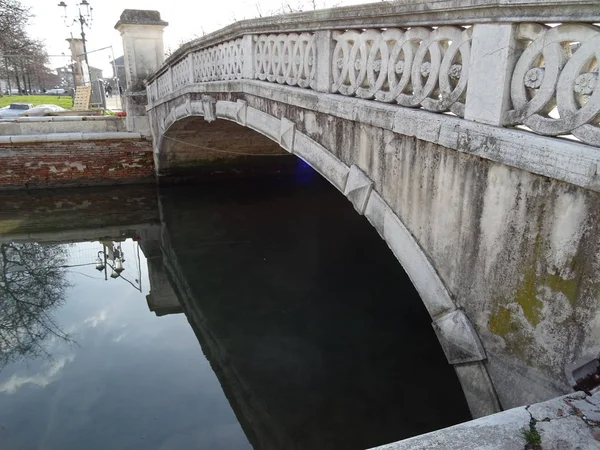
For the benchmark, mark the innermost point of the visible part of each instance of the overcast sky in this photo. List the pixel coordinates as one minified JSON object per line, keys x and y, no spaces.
{"x":187,"y":19}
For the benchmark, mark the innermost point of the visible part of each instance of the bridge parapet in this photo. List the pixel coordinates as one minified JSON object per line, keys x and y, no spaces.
{"x":495,"y":64}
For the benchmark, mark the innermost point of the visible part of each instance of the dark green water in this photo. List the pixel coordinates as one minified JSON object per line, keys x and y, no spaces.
{"x":284,"y":322}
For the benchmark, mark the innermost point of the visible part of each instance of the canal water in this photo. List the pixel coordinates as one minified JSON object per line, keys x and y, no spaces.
{"x":260,"y":314}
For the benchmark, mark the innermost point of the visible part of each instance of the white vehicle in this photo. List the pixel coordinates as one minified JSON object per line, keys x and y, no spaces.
{"x":56,"y":91}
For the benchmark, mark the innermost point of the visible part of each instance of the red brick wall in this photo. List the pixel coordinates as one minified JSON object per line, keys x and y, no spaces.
{"x":75,"y":163}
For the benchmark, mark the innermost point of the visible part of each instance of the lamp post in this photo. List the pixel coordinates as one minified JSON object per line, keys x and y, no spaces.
{"x":85,"y":20}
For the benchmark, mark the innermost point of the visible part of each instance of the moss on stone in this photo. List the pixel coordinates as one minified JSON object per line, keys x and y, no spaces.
{"x":569,"y":288}
{"x":500,"y":321}
{"x":8,"y":225}
{"x":526,"y":296}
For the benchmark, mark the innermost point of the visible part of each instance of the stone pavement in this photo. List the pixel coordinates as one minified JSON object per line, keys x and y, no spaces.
{"x":571,"y":422}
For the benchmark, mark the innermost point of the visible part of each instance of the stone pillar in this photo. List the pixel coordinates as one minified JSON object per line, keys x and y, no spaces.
{"x":493,"y":57}
{"x":324,"y":50}
{"x":142,"y":34}
{"x":78,"y":58}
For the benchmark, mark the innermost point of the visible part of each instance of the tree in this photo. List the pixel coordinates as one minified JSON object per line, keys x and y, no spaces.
{"x":32,"y":285}
{"x":13,"y":19}
{"x":23,"y":58}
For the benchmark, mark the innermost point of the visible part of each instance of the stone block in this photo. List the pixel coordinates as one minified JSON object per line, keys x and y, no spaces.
{"x":286,"y":135}
{"x":40,"y":138}
{"x":478,"y":389}
{"x":241,"y":108}
{"x":458,"y":338}
{"x":335,"y":171}
{"x":490,"y":70}
{"x":263,"y":123}
{"x":208,"y":107}
{"x":358,"y":189}
{"x":375,"y":212}
{"x":424,"y":277}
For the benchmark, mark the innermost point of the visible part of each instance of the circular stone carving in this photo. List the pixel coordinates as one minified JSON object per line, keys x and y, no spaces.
{"x":455,"y":71}
{"x":586,"y":83}
{"x":534,"y":77}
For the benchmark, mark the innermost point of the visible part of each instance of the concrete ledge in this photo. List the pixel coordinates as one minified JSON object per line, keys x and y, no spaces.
{"x":62,"y":119}
{"x":63,"y":137}
{"x":53,"y":125}
{"x":568,"y":422}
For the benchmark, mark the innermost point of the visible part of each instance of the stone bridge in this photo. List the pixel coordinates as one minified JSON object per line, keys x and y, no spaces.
{"x":465,"y":132}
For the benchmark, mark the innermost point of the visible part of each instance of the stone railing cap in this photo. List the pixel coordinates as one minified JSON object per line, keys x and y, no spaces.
{"x":400,"y":13}
{"x":140,"y":17}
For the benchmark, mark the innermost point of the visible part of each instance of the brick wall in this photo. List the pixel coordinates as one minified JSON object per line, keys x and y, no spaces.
{"x":52,"y":210}
{"x":75,"y":163}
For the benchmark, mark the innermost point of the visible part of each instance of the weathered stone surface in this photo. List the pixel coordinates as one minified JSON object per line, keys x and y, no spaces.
{"x":48,"y":126}
{"x":240,"y":112}
{"x":474,"y":223}
{"x":143,"y":48}
{"x":458,"y":338}
{"x":478,"y":388}
{"x":564,"y":428}
{"x":358,"y":189}
{"x":286,"y":134}
{"x":500,"y":223}
{"x":140,"y":17}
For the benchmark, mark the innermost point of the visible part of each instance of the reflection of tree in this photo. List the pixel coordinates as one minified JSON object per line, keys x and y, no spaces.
{"x":32,"y":284}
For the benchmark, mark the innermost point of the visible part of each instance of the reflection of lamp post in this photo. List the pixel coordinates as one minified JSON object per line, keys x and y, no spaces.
{"x":116,"y":256}
{"x":85,"y":20}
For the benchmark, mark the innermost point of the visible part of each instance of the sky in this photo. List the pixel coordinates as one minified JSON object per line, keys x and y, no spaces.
{"x":187,"y":19}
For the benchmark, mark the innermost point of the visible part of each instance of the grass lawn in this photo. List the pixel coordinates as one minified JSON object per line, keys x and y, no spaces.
{"x":60,"y":100}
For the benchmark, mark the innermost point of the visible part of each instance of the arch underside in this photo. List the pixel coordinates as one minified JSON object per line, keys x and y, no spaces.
{"x":458,"y":338}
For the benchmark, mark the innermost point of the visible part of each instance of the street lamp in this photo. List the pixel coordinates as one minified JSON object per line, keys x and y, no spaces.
{"x":84,"y":18}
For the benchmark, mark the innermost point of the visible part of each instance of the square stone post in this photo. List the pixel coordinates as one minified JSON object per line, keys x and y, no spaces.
{"x":191,"y":75}
{"x":493,"y":58}
{"x":248,"y":57}
{"x":142,"y":34}
{"x":323,"y":69}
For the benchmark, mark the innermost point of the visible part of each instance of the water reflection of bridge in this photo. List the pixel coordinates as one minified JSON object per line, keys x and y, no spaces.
{"x":306,"y":358}
{"x":280,"y":294}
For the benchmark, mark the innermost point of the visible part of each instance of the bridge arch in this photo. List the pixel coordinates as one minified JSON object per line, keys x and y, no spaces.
{"x":458,"y":338}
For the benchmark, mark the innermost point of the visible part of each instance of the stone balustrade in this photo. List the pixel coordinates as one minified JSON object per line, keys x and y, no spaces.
{"x":531,"y":65}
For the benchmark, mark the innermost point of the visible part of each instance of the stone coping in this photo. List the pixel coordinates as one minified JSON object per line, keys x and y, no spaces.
{"x":402,"y":13}
{"x":64,"y":137}
{"x":60,"y":119}
{"x":568,"y":422}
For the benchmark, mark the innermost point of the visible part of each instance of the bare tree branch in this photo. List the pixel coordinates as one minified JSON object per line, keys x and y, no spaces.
{"x":32,"y":285}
